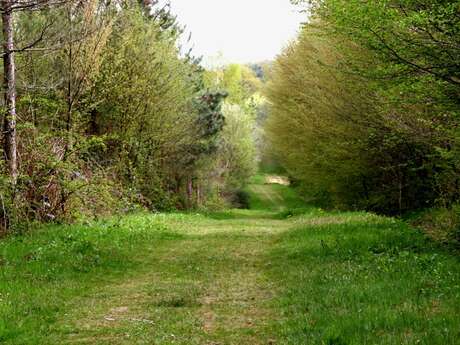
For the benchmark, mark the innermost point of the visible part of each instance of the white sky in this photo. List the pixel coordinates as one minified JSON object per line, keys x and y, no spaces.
{"x":238,"y":30}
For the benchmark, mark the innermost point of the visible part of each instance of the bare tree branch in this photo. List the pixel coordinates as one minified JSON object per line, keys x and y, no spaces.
{"x":412,"y":64}
{"x":38,"y":40}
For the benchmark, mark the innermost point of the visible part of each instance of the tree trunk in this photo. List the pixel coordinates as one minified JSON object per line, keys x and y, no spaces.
{"x":190,"y":192}
{"x":198,"y":195}
{"x":9,"y":85}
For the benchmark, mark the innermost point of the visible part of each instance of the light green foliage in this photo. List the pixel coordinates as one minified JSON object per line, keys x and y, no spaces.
{"x":240,"y":82}
{"x":318,"y":117}
{"x":365,"y":105}
{"x":144,"y":105}
{"x":410,"y":36}
{"x":415,"y":69}
{"x":231,"y":81}
{"x":236,"y":158}
{"x":57,"y":180}
{"x":237,"y":150}
{"x":113,"y":117}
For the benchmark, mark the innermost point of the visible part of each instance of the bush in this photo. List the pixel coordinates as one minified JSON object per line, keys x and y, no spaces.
{"x":441,"y":224}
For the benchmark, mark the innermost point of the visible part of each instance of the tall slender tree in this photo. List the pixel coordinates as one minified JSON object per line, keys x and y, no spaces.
{"x":9,"y":86}
{"x":8,"y":8}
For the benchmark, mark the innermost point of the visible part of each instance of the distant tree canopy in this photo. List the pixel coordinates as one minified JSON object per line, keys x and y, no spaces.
{"x":365,"y":105}
{"x":238,"y":146}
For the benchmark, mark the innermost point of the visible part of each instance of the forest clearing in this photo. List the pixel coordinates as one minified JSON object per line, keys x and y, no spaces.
{"x":258,"y":276}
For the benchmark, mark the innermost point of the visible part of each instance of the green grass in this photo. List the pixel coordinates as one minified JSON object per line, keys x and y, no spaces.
{"x":361,"y":279}
{"x":41,"y":272}
{"x":273,"y":197}
{"x":279,"y":273}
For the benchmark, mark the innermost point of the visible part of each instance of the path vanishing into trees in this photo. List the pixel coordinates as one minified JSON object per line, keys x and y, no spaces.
{"x":279,"y":273}
{"x":208,"y":287}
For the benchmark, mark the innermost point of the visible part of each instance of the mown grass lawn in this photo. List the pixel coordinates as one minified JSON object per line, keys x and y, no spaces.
{"x":279,"y":273}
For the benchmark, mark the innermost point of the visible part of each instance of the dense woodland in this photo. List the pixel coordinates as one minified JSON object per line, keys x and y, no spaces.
{"x":106,"y":113}
{"x":365,"y":105}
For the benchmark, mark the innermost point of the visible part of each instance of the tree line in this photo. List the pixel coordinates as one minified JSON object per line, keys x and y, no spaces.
{"x":365,"y":105}
{"x":104,"y":113}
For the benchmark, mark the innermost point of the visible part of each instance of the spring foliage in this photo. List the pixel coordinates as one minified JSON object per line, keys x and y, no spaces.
{"x":365,"y":105}
{"x":113,"y":116}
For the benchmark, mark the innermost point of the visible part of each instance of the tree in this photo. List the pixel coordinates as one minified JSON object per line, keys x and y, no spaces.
{"x":8,"y":8}
{"x":415,"y":36}
{"x":9,"y":86}
{"x":113,"y":114}
{"x":354,"y":140}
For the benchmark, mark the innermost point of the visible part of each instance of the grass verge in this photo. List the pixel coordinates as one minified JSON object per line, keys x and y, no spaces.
{"x":363,"y":279}
{"x":42,"y":272}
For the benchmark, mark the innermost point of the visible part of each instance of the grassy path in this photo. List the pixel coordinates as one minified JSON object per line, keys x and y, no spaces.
{"x":270,"y":275}
{"x":208,"y":287}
